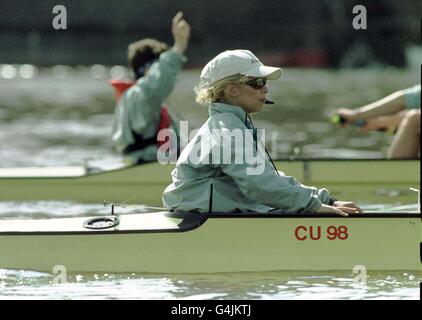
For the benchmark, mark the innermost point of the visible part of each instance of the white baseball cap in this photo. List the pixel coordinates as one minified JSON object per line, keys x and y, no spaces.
{"x":232,"y":62}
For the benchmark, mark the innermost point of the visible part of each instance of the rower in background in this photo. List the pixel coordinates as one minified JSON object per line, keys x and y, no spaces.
{"x":140,"y":113}
{"x":398,"y":112}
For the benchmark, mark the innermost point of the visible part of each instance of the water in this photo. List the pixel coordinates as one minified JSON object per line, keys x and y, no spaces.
{"x":237,"y":286}
{"x":62,"y":116}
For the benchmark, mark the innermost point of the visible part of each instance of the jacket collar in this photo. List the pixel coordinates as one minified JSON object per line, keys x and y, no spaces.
{"x":218,"y":107}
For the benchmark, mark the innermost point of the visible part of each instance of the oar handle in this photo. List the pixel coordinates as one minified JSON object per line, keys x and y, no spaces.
{"x":338,"y":119}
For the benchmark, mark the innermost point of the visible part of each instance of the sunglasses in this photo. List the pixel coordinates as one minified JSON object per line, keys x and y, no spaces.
{"x":257,"y":83}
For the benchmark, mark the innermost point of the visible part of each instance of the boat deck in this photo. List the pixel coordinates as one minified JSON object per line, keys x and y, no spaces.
{"x":43,"y":172}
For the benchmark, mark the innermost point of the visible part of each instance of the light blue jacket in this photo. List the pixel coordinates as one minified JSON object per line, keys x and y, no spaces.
{"x":138,"y":109}
{"x":227,"y":187}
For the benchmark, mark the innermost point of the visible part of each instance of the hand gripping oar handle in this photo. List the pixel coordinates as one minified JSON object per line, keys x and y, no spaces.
{"x":338,"y":119}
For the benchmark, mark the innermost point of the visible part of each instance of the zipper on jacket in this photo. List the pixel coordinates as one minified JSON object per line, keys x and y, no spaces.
{"x":265,"y":148}
{"x":210,"y":203}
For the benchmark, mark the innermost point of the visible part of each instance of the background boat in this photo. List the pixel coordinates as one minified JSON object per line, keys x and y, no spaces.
{"x":373,"y":181}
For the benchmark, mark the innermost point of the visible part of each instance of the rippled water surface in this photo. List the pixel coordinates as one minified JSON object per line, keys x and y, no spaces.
{"x":63,"y":115}
{"x":275,"y":285}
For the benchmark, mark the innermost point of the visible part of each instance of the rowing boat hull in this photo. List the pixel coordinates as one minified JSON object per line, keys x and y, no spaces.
{"x":374,"y":181}
{"x":159,"y":243}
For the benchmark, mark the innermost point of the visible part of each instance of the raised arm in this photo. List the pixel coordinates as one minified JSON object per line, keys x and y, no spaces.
{"x":161,"y":78}
{"x":181,"y":33}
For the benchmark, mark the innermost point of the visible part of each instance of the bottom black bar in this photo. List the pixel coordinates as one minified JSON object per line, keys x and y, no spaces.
{"x":201,"y":309}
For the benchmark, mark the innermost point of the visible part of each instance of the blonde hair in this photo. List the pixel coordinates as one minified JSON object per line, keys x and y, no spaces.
{"x":209,"y":93}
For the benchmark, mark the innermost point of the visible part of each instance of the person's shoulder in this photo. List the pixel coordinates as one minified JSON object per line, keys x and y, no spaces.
{"x":133,"y":96}
{"x":137,"y":88}
{"x":226,"y":120}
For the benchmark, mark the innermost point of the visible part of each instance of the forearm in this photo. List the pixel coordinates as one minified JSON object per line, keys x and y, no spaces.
{"x":161,"y":78}
{"x":276,"y":191}
{"x":179,"y":48}
{"x":391,"y":104}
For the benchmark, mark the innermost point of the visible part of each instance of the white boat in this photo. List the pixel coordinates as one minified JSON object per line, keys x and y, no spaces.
{"x":163,"y":242}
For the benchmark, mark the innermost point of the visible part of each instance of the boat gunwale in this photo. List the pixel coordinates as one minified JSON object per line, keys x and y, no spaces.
{"x":192,"y":221}
{"x":311,"y":215}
